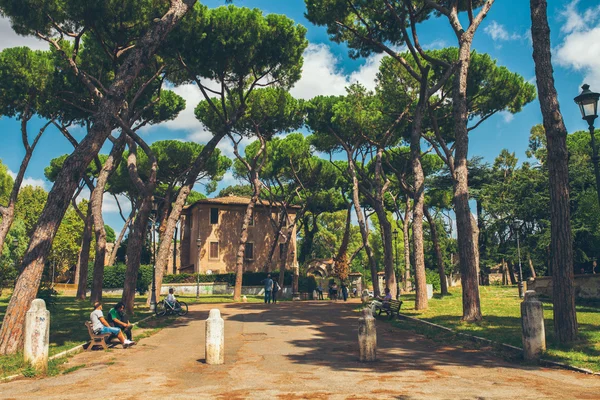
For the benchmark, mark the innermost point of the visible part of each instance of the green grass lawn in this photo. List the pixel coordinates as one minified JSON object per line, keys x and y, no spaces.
{"x":502,"y":323}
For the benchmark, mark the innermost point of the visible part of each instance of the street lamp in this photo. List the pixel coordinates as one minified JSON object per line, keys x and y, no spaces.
{"x":588,"y":105}
{"x":520,"y":268}
{"x":153,"y":217}
{"x":395,"y":234}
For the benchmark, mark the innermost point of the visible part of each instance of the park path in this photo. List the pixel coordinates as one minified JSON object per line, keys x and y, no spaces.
{"x":298,"y":350}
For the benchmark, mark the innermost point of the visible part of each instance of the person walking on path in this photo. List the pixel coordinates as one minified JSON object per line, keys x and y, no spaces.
{"x":268,"y":288}
{"x":276,"y":289}
{"x":345,"y":292}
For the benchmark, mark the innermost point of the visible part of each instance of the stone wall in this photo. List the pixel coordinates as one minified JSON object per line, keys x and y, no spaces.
{"x":586,"y":286}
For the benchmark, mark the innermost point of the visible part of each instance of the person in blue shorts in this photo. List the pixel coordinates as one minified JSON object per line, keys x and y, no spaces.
{"x":100,"y":326}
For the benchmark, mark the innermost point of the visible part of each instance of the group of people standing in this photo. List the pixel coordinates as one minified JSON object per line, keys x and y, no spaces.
{"x":334,"y":291}
{"x":271,"y":289}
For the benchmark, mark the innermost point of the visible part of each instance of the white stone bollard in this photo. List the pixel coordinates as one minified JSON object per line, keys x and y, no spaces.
{"x":367,"y":337}
{"x":364,"y":297}
{"x":429,"y":291}
{"x":215,"y":338}
{"x":244,"y":299}
{"x":37,"y":335}
{"x":532,"y":322}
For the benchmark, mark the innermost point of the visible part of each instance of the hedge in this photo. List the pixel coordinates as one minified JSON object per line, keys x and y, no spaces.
{"x":248,"y":279}
{"x":114,"y":277}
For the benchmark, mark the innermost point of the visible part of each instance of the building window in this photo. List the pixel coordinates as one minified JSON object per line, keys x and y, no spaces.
{"x":214,"y":216}
{"x":281,"y":251}
{"x":214,"y":251}
{"x":249,"y":251}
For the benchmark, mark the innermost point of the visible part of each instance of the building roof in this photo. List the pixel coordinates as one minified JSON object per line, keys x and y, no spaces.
{"x":237,"y":200}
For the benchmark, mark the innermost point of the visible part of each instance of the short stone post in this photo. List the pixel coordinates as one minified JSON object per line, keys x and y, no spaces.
{"x":37,"y":335}
{"x":244,"y":299}
{"x":364,"y":297}
{"x":367,"y":337}
{"x":532,"y":322}
{"x":215,"y":338}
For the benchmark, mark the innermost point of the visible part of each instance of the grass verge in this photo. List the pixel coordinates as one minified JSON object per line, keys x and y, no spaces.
{"x":502,"y":323}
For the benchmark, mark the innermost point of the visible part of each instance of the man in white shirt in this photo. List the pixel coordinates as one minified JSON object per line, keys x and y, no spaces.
{"x":100,"y":326}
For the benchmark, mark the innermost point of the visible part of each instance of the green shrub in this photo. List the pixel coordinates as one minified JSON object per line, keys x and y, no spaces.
{"x":306,"y":284}
{"x":433,"y":278}
{"x":114,"y":277}
{"x":248,"y":279}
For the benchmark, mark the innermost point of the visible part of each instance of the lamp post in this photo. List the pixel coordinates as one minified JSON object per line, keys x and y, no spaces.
{"x":153,"y":216}
{"x":395,"y":234}
{"x":588,"y":105}
{"x":199,"y":245}
{"x":521,"y":292}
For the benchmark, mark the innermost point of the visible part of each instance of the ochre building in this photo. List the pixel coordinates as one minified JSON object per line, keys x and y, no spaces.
{"x":210,"y":234}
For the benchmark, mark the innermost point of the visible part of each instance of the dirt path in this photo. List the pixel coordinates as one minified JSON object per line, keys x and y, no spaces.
{"x":302,"y":350}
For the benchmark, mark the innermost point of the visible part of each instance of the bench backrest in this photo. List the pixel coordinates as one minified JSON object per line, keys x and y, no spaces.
{"x":395,"y":305}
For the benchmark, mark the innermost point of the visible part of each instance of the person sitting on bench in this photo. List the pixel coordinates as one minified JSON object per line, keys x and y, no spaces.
{"x":117,"y":318}
{"x":100,"y":326}
{"x":383,"y":302}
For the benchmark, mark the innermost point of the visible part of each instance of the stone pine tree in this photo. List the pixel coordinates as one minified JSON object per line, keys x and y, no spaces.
{"x":24,"y":81}
{"x":227,"y":53}
{"x":268,"y":112}
{"x":561,"y":247}
{"x":146,"y":27}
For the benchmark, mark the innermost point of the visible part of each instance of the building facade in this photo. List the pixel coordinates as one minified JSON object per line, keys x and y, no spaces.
{"x":210,"y":234}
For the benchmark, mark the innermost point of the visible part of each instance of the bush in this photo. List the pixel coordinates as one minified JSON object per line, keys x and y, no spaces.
{"x":306,"y":284}
{"x":248,"y":279}
{"x":114,"y":277}
{"x":433,"y":278}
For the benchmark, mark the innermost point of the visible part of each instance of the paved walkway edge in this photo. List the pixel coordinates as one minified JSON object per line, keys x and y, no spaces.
{"x":505,"y":346}
{"x":65,"y":353}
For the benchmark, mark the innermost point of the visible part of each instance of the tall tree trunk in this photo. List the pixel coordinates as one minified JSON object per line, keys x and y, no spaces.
{"x":241,"y":252}
{"x":504,"y":270}
{"x":469,"y":262}
{"x":438,"y":251}
{"x":406,"y":233}
{"x":84,"y":255}
{"x":135,"y":243}
{"x":531,"y":269}
{"x":11,"y":332}
{"x":563,"y":293}
{"x":511,"y":272}
{"x":421,"y":301}
{"x":96,"y":201}
{"x":388,"y":248}
{"x":309,"y":230}
{"x":289,"y":231}
{"x":363,"y":227}
{"x":164,"y":246}
{"x":346,"y":238}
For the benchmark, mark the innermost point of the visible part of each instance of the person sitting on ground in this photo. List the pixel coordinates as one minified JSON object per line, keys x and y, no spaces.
{"x":118,"y":318}
{"x":100,"y":326}
{"x":171,"y":299}
{"x":382,"y":302}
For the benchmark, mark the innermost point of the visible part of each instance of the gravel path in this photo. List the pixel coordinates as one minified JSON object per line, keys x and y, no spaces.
{"x":303,"y":350}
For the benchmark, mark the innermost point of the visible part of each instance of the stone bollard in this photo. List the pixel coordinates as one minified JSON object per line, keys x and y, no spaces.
{"x":532,"y":322}
{"x":244,"y":299}
{"x":364,"y":297}
{"x":429,"y":291}
{"x":367,"y":336}
{"x":215,"y":338}
{"x":37,"y":335}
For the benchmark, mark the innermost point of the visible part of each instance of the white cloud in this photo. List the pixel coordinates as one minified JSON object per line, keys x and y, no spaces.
{"x":29,"y":181}
{"x":109,"y":205}
{"x":575,"y":21}
{"x":506,"y":116}
{"x":11,"y":39}
{"x":321,"y":74}
{"x":499,"y":33}
{"x":580,"y":48}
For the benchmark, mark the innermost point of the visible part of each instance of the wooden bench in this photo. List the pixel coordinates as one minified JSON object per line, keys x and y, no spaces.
{"x":391,"y":308}
{"x":97,"y":340}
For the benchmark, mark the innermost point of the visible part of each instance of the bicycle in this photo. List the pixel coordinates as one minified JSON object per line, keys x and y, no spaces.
{"x":165,"y":308}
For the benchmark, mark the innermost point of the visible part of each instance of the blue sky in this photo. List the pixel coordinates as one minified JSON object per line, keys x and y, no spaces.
{"x":504,"y":35}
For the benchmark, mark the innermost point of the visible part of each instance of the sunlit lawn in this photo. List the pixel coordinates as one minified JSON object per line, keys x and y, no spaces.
{"x":501,"y":308}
